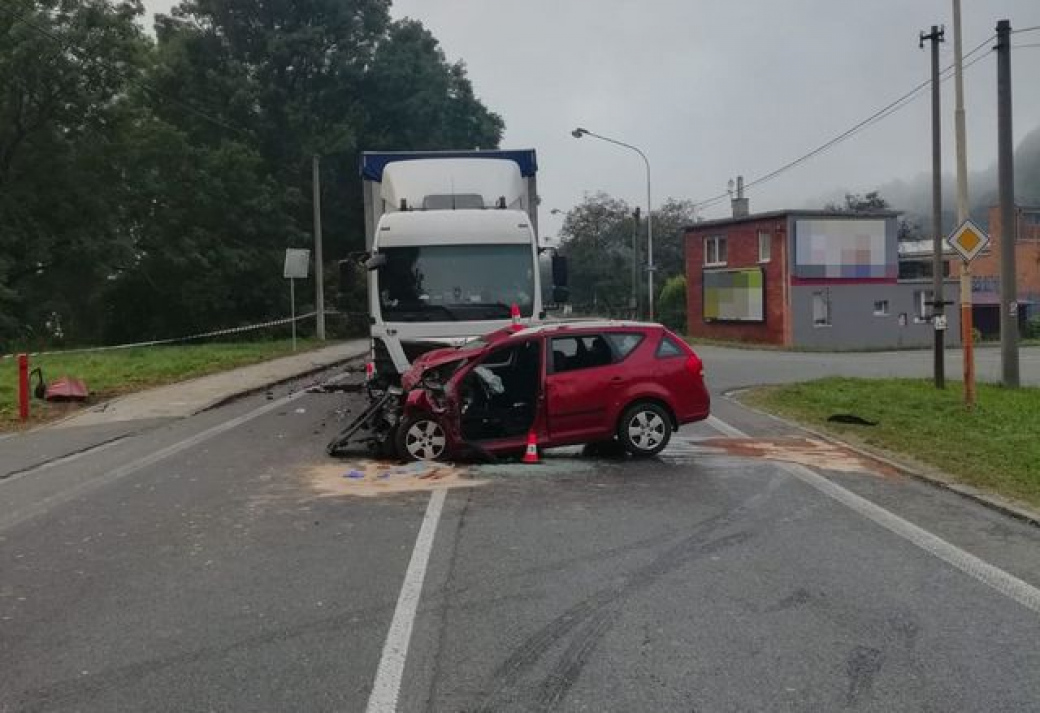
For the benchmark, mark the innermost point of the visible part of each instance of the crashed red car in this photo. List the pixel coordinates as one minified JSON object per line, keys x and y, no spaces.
{"x":568,"y":382}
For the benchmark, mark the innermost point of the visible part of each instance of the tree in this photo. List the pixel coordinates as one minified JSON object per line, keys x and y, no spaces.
{"x":65,"y":72}
{"x":871,"y":202}
{"x":672,"y":303}
{"x":597,"y":236}
{"x":597,"y":239}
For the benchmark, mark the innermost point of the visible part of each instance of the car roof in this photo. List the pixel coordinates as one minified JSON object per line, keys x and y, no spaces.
{"x":564,"y":327}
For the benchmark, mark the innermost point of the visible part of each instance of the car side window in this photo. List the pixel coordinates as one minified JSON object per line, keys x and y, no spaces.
{"x":580,"y":352}
{"x":624,"y":342}
{"x":668,"y":348}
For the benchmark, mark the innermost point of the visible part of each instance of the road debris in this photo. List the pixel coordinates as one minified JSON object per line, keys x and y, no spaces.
{"x":809,"y":452}
{"x":371,"y":478}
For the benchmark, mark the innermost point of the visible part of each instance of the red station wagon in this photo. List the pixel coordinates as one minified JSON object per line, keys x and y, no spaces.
{"x":569,"y":383}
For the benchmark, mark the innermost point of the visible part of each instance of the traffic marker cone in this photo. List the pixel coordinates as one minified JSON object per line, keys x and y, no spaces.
{"x":514,"y":314}
{"x":531,"y":454}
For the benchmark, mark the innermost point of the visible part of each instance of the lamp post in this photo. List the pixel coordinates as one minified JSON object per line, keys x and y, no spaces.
{"x":579,"y":133}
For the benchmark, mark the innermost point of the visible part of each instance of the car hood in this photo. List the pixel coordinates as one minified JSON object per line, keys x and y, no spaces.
{"x":432,"y":360}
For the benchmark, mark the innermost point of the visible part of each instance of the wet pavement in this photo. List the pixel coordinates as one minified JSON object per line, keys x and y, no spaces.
{"x":223,"y":562}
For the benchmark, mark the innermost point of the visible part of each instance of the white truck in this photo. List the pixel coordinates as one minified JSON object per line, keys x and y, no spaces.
{"x":452,"y":250}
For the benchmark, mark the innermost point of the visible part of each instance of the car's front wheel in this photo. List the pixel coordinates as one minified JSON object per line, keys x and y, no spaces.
{"x":645,"y":429}
{"x":421,"y":437}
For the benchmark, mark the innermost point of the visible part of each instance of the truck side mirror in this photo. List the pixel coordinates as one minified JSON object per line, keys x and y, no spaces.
{"x":375,"y":262}
{"x":559,"y":270}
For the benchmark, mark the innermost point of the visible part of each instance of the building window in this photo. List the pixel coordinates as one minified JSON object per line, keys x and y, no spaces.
{"x":922,"y":308}
{"x":881,"y":308}
{"x":764,"y":247}
{"x":821,"y":309}
{"x":715,"y":251}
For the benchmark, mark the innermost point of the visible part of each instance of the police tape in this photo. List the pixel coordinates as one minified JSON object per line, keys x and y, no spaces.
{"x":173,"y":340}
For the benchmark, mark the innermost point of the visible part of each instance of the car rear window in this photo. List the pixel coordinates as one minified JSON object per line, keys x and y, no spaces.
{"x":669,"y":348}
{"x":580,"y":352}
{"x":624,"y":342}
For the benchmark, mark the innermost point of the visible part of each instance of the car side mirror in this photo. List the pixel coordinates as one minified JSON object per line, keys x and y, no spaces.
{"x":559,"y":270}
{"x":376,"y":261}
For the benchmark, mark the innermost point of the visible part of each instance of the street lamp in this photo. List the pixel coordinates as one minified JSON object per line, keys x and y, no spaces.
{"x":579,"y":133}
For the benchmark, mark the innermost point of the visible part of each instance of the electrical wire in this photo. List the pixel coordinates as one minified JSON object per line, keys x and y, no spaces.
{"x":874,"y":118}
{"x":1034,"y":28}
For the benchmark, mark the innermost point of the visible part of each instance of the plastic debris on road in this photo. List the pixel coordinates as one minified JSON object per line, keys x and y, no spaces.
{"x":368,"y":478}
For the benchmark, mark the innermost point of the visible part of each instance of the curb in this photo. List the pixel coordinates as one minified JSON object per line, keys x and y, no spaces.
{"x":310,"y":371}
{"x":1006,"y":506}
{"x":223,"y":400}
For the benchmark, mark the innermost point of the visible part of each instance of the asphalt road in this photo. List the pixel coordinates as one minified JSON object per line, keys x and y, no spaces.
{"x":193,"y":565}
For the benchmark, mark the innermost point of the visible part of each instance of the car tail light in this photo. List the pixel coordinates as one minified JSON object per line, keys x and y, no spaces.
{"x":370,"y":370}
{"x":695,"y":366}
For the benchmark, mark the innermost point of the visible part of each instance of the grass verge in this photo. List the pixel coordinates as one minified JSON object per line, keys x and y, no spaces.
{"x":996,"y":446}
{"x":110,"y":374}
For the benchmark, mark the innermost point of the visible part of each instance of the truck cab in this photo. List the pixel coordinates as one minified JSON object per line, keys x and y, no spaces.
{"x":452,"y":250}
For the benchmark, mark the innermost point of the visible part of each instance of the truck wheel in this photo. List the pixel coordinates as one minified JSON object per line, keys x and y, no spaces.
{"x":645,"y":429}
{"x":421,"y":437}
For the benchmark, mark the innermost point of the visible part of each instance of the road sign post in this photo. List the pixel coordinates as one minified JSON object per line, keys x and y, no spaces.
{"x":968,"y":240}
{"x":297,"y":263}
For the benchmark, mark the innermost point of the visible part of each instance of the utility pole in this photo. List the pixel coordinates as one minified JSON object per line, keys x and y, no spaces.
{"x":938,"y":296}
{"x":1008,"y":221}
{"x":634,"y":299}
{"x":962,"y":206}
{"x":319,"y":264}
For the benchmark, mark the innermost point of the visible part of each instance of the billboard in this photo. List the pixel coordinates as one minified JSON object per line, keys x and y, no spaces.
{"x":843,"y":249}
{"x":734,"y":295}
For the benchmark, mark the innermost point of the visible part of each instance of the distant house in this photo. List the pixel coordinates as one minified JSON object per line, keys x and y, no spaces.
{"x":812,"y":279}
{"x":985,"y":281}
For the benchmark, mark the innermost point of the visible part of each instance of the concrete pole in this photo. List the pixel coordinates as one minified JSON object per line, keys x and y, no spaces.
{"x":319,"y":263}
{"x":650,"y":267}
{"x":1008,"y":223}
{"x":635,"y":264}
{"x":962,"y":206}
{"x":938,"y":296}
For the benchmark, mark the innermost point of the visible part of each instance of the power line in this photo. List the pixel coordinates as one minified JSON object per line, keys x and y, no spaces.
{"x":1034,"y":28}
{"x":877,"y":116}
{"x":81,"y":55}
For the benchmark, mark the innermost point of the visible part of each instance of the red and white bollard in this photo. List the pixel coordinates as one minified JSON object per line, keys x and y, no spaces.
{"x":23,"y":387}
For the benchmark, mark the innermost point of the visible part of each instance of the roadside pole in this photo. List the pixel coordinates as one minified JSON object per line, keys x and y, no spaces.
{"x":297,"y":263}
{"x":1008,"y":222}
{"x":23,"y":387}
{"x":634,"y":299}
{"x":292,"y":310}
{"x":319,"y":264}
{"x":962,"y":207}
{"x":938,"y":296}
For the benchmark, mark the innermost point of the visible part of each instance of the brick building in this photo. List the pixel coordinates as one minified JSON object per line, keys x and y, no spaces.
{"x":985,"y":281}
{"x":814,"y":279}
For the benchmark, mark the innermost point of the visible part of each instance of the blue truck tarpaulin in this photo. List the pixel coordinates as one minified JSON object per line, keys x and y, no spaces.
{"x":373,"y":162}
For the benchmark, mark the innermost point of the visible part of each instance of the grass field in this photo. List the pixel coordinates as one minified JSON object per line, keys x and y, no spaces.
{"x":996,"y":446}
{"x":109,"y":374}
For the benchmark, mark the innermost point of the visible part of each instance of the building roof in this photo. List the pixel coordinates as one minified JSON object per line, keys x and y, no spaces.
{"x":800,"y":213}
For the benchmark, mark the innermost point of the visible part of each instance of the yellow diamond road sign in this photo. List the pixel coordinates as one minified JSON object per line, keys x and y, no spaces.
{"x":968,"y":240}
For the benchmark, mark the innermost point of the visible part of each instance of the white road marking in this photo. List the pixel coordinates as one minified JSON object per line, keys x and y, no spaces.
{"x":41,"y":506}
{"x":1007,"y":584}
{"x":387,"y":685}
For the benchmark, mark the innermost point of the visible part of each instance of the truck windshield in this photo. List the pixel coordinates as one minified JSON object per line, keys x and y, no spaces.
{"x":456,"y":282}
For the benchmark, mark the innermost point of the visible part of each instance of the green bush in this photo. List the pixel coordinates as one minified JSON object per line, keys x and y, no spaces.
{"x":671,"y":304}
{"x":1032,"y":330}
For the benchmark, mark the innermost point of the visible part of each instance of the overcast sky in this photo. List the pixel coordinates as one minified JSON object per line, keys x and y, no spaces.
{"x":710,"y":89}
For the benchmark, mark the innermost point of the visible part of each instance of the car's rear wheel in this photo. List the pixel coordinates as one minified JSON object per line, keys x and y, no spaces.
{"x":421,"y":437}
{"x":645,"y":429}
